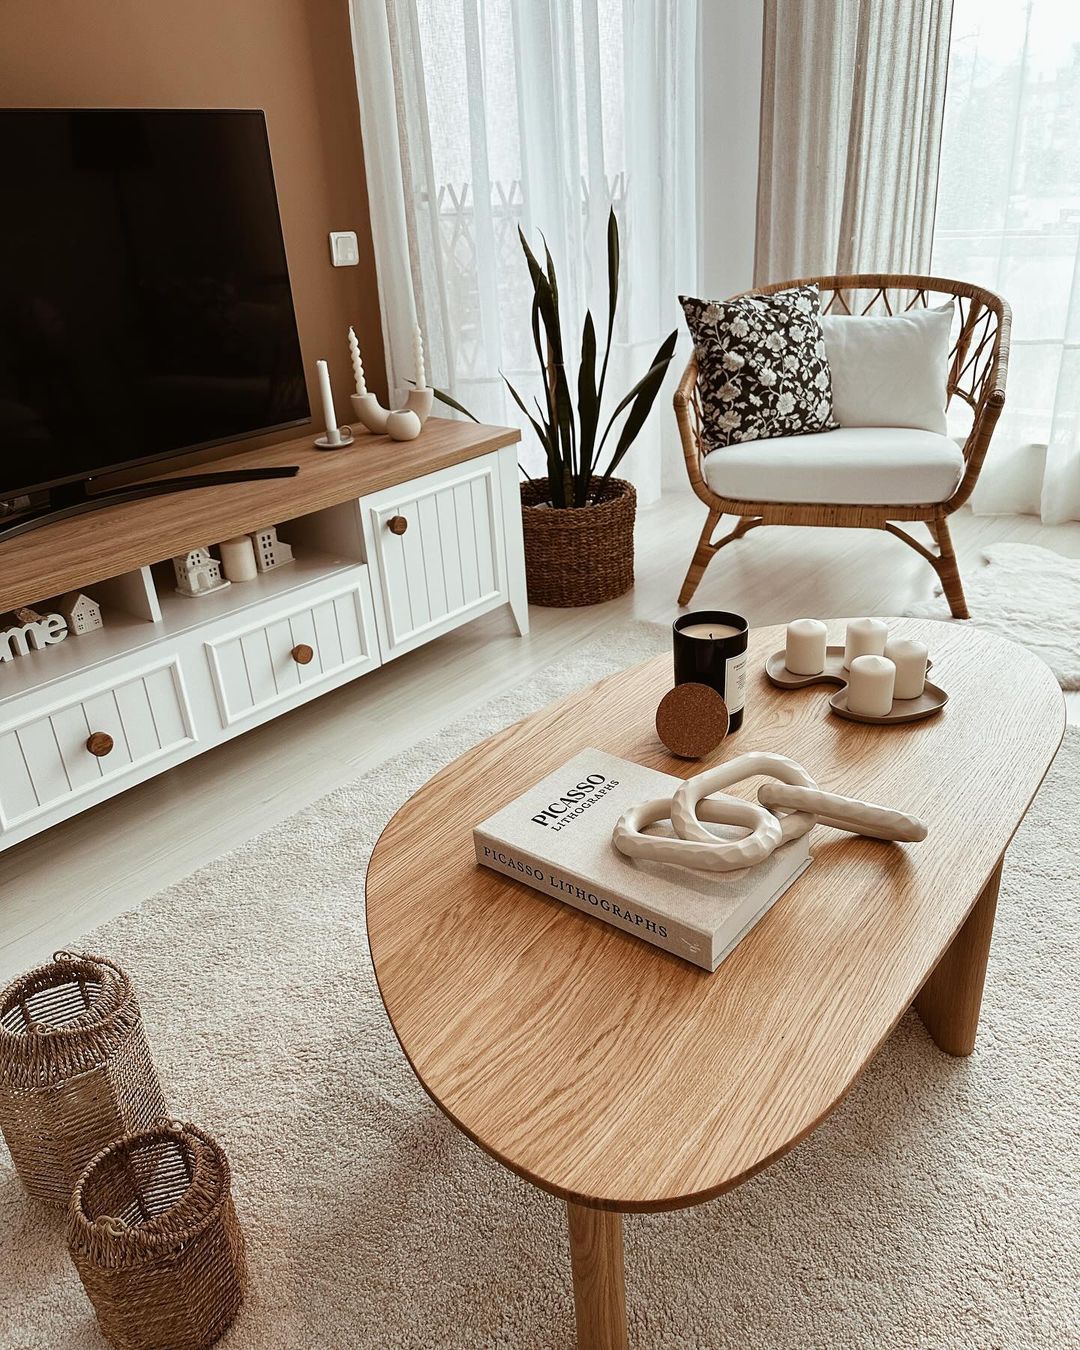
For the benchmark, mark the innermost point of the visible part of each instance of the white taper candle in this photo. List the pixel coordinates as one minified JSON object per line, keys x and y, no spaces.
{"x":418,"y":358}
{"x":870,"y":686}
{"x":909,"y":657}
{"x":330,"y":417}
{"x":805,"y":651}
{"x":357,"y":364}
{"x":865,"y":637}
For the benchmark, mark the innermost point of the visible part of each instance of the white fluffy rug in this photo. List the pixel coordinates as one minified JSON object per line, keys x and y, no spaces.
{"x":935,"y":1208}
{"x":1028,"y":594}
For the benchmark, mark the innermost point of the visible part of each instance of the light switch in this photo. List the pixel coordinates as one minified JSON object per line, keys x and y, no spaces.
{"x":343,"y":248}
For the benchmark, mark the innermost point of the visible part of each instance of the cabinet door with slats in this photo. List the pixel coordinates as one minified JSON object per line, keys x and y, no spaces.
{"x":50,"y":756}
{"x":263,"y":664}
{"x":439,"y":550}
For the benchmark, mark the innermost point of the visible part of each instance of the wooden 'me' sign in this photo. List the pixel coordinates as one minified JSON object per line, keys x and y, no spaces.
{"x":33,"y":634}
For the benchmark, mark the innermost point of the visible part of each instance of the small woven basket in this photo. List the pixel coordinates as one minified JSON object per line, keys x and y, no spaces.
{"x":75,"y":1070}
{"x":579,"y":555}
{"x":154,"y":1236}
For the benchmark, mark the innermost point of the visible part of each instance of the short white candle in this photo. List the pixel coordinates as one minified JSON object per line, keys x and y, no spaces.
{"x":710,"y":630}
{"x":357,"y":364}
{"x":865,"y":637}
{"x":909,"y":657}
{"x":238,"y":558}
{"x":805,"y":651}
{"x":418,"y":358}
{"x":329,"y":416}
{"x":870,"y":686}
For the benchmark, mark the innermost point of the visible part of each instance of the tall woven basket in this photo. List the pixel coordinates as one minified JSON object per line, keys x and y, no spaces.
{"x":154,"y":1236}
{"x":579,"y":555}
{"x":75,"y":1070}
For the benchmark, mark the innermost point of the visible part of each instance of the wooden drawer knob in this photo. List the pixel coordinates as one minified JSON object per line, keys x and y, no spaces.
{"x":397,"y":524}
{"x":302,"y":654}
{"x":99,"y":743}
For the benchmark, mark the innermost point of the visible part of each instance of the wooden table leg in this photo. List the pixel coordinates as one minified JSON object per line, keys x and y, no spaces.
{"x":949,"y":1001}
{"x":596,"y":1255}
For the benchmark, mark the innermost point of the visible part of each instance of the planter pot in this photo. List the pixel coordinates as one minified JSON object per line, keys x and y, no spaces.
{"x":578,"y":555}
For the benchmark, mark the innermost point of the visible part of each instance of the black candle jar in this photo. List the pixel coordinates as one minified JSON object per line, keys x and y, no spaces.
{"x":719,"y":661}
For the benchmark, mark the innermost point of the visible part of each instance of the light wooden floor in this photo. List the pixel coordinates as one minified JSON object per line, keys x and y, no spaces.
{"x":73,"y":877}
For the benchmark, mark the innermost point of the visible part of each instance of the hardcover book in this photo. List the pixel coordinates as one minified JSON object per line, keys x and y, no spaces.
{"x":556,"y":837}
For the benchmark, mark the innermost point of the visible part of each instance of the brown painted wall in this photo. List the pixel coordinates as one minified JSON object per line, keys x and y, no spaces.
{"x":292,"y":58}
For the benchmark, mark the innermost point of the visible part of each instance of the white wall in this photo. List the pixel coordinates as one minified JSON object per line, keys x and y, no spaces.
{"x":730,"y":83}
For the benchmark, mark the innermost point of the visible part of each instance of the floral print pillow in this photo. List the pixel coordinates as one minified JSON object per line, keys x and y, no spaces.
{"x":762,"y":367}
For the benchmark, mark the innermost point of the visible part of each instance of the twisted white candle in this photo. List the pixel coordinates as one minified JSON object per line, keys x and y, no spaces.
{"x":418,"y":358}
{"x":357,"y":364}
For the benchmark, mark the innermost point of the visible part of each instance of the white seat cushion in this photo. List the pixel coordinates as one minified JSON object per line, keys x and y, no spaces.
{"x":852,"y":466}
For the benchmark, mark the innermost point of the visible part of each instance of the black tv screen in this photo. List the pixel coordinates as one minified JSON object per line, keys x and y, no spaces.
{"x":145,"y":306}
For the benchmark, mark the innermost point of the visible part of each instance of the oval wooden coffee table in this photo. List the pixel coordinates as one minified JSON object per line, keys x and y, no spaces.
{"x":621,"y":1078}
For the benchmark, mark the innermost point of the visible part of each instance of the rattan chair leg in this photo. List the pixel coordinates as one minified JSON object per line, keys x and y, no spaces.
{"x":949,"y":572}
{"x":702,"y":556}
{"x":935,"y":535}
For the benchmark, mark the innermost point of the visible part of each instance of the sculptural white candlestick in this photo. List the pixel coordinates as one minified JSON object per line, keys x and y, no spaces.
{"x":805,"y":651}
{"x":419,"y":373}
{"x":910,"y":659}
{"x":870,"y":686}
{"x":357,"y":364}
{"x":865,"y":637}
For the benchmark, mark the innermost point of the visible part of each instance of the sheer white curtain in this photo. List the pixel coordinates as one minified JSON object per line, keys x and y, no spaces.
{"x":852,"y":93}
{"x":480,"y":116}
{"x":1008,"y":217}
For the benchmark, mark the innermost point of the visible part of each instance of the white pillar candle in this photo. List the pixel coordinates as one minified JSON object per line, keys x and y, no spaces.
{"x":329,"y":416}
{"x":710,"y":630}
{"x":238,"y":558}
{"x":870,"y":686}
{"x":865,"y":637}
{"x":357,"y":364}
{"x":418,"y":358}
{"x":909,"y":657}
{"x":805,"y":651}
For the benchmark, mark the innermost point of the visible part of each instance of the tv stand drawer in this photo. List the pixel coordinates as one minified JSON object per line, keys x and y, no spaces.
{"x":279,"y":656}
{"x":52,"y":756}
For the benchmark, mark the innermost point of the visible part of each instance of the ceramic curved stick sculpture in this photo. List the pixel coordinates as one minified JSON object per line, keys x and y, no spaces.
{"x":845,"y":813}
{"x":711,"y":854}
{"x":685,"y":808}
{"x":795,"y":805}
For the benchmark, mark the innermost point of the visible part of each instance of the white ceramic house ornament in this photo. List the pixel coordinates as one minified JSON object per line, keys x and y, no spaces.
{"x":197,"y":573}
{"x":83,"y":614}
{"x":270,"y":551}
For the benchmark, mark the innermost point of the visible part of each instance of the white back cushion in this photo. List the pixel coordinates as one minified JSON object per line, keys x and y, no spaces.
{"x":889,"y":370}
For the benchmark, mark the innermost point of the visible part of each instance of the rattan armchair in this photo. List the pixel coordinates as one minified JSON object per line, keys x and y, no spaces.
{"x":978,"y":364}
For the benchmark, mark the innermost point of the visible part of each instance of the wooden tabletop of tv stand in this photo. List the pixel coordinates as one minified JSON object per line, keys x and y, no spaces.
{"x":73,"y":554}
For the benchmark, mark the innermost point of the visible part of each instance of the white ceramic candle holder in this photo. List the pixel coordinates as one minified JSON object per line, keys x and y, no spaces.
{"x":369,"y":412}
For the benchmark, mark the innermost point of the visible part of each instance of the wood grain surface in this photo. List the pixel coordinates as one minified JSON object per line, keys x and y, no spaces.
{"x":616,"y":1076}
{"x":75,"y":553}
{"x":596,"y":1263}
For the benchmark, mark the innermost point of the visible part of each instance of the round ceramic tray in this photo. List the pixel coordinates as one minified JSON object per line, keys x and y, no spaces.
{"x":932,"y":699}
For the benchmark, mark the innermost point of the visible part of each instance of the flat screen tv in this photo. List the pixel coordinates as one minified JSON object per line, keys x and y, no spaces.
{"x":145,"y":306}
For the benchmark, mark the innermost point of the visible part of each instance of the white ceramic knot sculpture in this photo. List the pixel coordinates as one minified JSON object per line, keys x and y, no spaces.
{"x":791,"y":804}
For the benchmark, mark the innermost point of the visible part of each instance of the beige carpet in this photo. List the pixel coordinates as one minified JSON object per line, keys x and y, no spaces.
{"x":1030,"y":595}
{"x":936,"y":1209}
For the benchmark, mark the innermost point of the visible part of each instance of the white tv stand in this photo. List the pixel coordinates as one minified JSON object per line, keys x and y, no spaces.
{"x":394,"y":543}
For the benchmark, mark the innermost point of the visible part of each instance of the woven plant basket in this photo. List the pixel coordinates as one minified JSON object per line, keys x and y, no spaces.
{"x":578,"y":555}
{"x":75,"y":1070}
{"x":154,"y":1236}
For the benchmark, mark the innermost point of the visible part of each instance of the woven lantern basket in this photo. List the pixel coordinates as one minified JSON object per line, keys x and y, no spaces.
{"x":75,"y":1070}
{"x":154,"y":1236}
{"x":578,"y":555}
